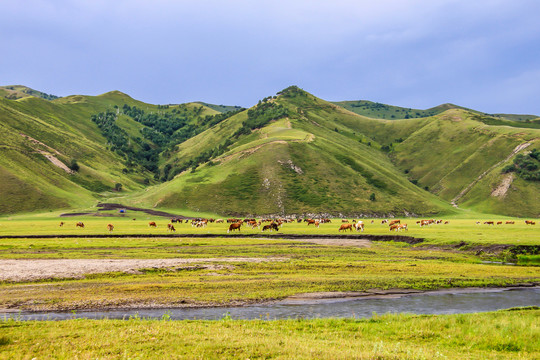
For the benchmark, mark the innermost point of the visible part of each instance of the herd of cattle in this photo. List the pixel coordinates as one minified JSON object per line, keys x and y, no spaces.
{"x":267,"y":224}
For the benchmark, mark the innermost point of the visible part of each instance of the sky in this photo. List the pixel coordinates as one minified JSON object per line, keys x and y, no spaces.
{"x":481,"y":54}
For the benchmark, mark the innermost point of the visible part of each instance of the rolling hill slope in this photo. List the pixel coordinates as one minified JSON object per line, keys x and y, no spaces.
{"x":292,"y":153}
{"x":391,"y":112}
{"x":294,"y":164}
{"x":41,"y":138}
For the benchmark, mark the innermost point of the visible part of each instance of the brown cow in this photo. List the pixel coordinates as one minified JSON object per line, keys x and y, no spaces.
{"x":61,"y":223}
{"x":310,"y":221}
{"x":394,"y":227}
{"x":345,"y":227}
{"x":170,"y":227}
{"x":499,"y":222}
{"x":394,"y":222}
{"x":488,"y":223}
{"x":80,"y":224}
{"x":235,"y":226}
{"x":530,"y":222}
{"x":271,"y":226}
{"x":152,"y":224}
{"x":201,"y":223}
{"x":402,"y":227}
{"x":510,"y":222}
{"x":110,"y":227}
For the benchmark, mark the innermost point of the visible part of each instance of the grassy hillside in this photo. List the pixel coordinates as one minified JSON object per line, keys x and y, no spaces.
{"x":296,"y":164}
{"x":41,"y":139}
{"x":390,"y":112}
{"x":14,"y":92}
{"x":452,"y":151}
{"x":220,"y":108}
{"x":292,"y":153}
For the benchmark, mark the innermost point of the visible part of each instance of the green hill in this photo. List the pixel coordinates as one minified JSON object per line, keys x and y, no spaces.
{"x":292,"y":153}
{"x":15,"y":92}
{"x":114,"y":140}
{"x":390,"y":112}
{"x":294,"y":162}
{"x":383,"y":111}
{"x":220,"y":108}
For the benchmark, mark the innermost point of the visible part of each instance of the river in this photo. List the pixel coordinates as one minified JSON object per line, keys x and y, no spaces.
{"x":436,"y":302}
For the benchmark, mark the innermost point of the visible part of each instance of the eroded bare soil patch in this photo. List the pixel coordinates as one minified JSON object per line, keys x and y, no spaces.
{"x":38,"y":269}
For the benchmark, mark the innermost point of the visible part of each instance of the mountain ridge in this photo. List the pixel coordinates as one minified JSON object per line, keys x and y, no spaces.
{"x":291,"y":153}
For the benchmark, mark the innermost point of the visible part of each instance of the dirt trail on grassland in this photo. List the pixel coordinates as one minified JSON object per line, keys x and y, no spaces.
{"x":21,"y":270}
{"x":482,"y":175}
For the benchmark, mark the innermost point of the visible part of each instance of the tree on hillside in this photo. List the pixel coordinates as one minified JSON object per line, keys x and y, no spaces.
{"x":74,"y":166}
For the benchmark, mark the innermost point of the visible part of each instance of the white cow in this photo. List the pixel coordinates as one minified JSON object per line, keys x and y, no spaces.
{"x":359,"y":225}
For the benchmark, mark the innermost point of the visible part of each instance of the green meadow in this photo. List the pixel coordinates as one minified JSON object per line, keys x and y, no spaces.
{"x":226,"y":274}
{"x":496,"y":335}
{"x":133,"y":223}
{"x":451,"y":255}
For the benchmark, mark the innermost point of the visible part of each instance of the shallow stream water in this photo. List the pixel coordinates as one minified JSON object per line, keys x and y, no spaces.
{"x":439,"y":302}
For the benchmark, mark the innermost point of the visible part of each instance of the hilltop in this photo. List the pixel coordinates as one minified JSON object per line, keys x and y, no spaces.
{"x":391,"y":112}
{"x":15,"y":92}
{"x":292,"y":153}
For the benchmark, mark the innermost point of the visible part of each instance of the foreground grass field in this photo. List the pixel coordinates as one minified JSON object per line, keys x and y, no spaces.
{"x":497,"y":335}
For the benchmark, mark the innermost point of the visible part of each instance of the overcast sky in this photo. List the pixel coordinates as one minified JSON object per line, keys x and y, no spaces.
{"x":482,"y":54}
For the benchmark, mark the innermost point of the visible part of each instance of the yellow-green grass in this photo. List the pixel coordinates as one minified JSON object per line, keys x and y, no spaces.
{"x":458,"y":230}
{"x":495,"y":335}
{"x":293,"y":267}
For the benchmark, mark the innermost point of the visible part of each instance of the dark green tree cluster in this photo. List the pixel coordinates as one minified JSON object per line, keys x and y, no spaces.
{"x":165,"y":123}
{"x":526,"y":166}
{"x":116,"y":137}
{"x":292,"y":91}
{"x":260,"y":115}
{"x":121,"y":143}
{"x":165,"y":129}
{"x":206,"y":156}
{"x":169,"y":128}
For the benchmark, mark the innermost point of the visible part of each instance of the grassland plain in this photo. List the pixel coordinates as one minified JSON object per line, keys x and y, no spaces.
{"x":458,"y":229}
{"x":293,"y":267}
{"x":308,"y":266}
{"x":497,"y":335}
